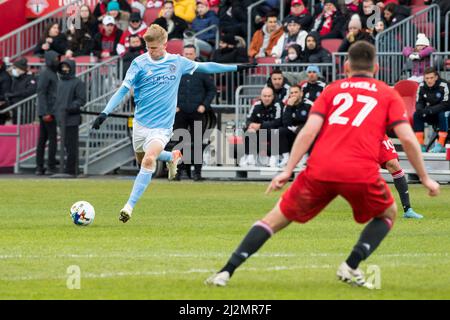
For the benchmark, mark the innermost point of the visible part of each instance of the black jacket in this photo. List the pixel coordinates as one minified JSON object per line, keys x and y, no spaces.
{"x":194,"y":90}
{"x":433,"y":99}
{"x":270,"y":117}
{"x":282,"y":93}
{"x":47,"y":85}
{"x":317,"y":55}
{"x":71,"y":96}
{"x":5,"y":82}
{"x":337,"y":26}
{"x":400,"y":13}
{"x":295,"y":116}
{"x":21,"y":88}
{"x":59,"y":45}
{"x":306,"y":21}
{"x":230,"y":55}
{"x":311,"y":91}
{"x":178,"y":29}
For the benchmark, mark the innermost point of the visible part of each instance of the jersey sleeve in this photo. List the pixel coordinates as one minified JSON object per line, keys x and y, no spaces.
{"x":397,"y":111}
{"x":187,"y":66}
{"x":132,"y":75}
{"x":320,"y":106}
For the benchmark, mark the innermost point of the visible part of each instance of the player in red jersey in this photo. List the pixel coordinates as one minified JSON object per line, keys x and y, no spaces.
{"x":349,"y":120}
{"x":389,"y":161}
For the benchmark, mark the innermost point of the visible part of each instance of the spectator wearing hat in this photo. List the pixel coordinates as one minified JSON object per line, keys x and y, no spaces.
{"x":122,"y":17}
{"x":5,"y":86}
{"x":174,"y":25}
{"x":23,"y":86}
{"x":228,"y":52}
{"x":105,"y":42}
{"x":419,"y":56}
{"x":70,"y":97}
{"x":52,"y":39}
{"x":294,"y":34}
{"x":261,"y":38}
{"x":101,"y":8}
{"x":136,"y":27}
{"x":330,"y":23}
{"x":314,"y":53}
{"x":313,"y":86}
{"x":204,"y":19}
{"x":355,"y":33}
{"x":299,"y":10}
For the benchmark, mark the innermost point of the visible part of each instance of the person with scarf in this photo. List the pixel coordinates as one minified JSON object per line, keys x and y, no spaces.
{"x":330,"y":23}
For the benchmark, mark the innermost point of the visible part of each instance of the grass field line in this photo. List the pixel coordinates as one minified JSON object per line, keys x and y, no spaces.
{"x":212,"y":255}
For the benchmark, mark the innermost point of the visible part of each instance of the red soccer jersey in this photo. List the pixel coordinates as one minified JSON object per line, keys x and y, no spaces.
{"x":357,"y":111}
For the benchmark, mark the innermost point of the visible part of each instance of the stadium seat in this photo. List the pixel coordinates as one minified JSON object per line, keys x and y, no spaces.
{"x":417,"y":8}
{"x":417,"y":3}
{"x":331,"y":45}
{"x":408,"y":91}
{"x":150,"y":15}
{"x":266,"y":60}
{"x":175,"y":46}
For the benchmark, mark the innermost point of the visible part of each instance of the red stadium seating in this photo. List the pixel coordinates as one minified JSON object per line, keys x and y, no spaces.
{"x":266,"y":60}
{"x":408,"y":91}
{"x":175,"y":46}
{"x":415,"y":9}
{"x":417,"y":2}
{"x":150,"y":15}
{"x":331,"y":45}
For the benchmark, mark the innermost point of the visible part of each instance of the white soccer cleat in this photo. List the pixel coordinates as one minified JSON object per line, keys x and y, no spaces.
{"x":125,"y":213}
{"x":243,"y":161}
{"x":273,"y":161}
{"x":251,"y":160}
{"x":172,"y":165}
{"x":353,"y":277}
{"x":218,"y":279}
{"x":284,"y":160}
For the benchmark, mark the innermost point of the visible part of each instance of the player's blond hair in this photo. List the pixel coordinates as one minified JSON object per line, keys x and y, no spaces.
{"x":155,"y":33}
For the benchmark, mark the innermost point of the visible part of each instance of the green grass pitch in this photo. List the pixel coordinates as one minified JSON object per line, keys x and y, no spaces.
{"x":181,"y":232}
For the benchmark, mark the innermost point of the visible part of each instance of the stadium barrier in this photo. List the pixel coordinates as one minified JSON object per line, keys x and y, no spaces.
{"x":99,"y":80}
{"x":23,"y":40}
{"x":441,"y":61}
{"x":447,"y":31}
{"x":227,"y":83}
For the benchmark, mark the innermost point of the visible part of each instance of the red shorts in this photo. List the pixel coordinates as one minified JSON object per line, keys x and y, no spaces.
{"x":305,"y":198}
{"x":387,"y":152}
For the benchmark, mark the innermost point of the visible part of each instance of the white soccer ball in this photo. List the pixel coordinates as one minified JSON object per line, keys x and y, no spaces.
{"x":82,"y":213}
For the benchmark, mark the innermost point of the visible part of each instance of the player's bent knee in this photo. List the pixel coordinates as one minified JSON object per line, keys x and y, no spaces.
{"x":149,"y":162}
{"x":390,"y":213}
{"x":276,"y":220}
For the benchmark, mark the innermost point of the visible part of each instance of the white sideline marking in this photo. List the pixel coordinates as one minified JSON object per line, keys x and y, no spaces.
{"x":218,"y":255}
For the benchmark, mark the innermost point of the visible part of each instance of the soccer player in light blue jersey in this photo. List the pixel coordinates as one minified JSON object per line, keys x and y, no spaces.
{"x":155,"y":77}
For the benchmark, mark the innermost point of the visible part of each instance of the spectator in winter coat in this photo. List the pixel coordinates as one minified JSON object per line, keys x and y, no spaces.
{"x":52,"y":39}
{"x":355,"y":33}
{"x":228,"y":51}
{"x":101,"y":9}
{"x":105,"y":42}
{"x":23,"y":86}
{"x":185,"y":9}
{"x":47,"y":85}
{"x":88,"y":21}
{"x":136,"y":27}
{"x":279,"y":85}
{"x":174,"y":25}
{"x":294,"y":34}
{"x":294,"y":54}
{"x":122,"y":17}
{"x":314,"y":53}
{"x":70,"y":97}
{"x":79,"y":42}
{"x":195,"y":95}
{"x":261,"y":38}
{"x":330,"y":23}
{"x":263,"y":119}
{"x":135,"y":48}
{"x":204,"y":19}
{"x":395,"y":13}
{"x":5,"y":87}
{"x":420,"y":56}
{"x":299,"y":10}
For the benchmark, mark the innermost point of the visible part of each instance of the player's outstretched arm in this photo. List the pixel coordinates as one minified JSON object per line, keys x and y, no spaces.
{"x":212,"y":67}
{"x":112,"y":104}
{"x":414,"y":154}
{"x":302,"y":143}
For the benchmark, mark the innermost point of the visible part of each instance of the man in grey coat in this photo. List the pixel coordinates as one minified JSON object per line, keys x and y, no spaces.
{"x":46,"y":95}
{"x":71,"y":96}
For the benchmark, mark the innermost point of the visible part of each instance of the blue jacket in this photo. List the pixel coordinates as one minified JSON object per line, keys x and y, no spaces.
{"x":201,"y":23}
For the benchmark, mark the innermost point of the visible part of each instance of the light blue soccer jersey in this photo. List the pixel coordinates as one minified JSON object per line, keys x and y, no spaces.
{"x":155,"y":85}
